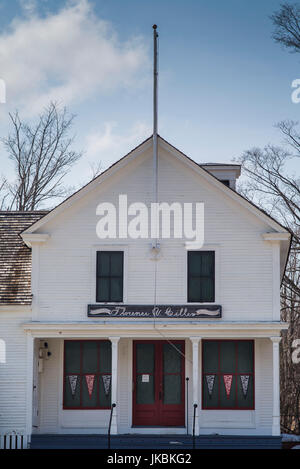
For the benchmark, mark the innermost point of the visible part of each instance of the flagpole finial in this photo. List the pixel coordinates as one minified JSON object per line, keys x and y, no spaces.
{"x":154,"y":26}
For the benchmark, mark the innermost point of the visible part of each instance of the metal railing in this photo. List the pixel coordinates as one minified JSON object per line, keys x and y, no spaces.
{"x":187,"y":405}
{"x":194,"y":420}
{"x":109,"y":426}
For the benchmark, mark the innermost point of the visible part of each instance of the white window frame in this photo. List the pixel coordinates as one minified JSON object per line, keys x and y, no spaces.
{"x":108,"y":247}
{"x":206,"y":247}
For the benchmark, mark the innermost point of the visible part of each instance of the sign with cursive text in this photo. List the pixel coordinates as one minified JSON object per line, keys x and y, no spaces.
{"x":155,"y":311}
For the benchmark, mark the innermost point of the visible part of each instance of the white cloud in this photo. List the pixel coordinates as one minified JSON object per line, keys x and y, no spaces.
{"x":108,"y":146}
{"x":66,"y":56}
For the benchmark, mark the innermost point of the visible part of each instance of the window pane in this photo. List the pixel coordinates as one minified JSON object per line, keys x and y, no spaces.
{"x":103,"y":263}
{"x":145,"y":390}
{"x":172,"y":358}
{"x":72,"y":356}
{"x":207,"y":263}
{"x":105,"y":357}
{"x":227,"y":402}
{"x":103,"y":289}
{"x":89,"y":357}
{"x":194,"y":293}
{"x":116,"y":263}
{"x":88,"y":401}
{"x":228,"y":356}
{"x":245,"y":356}
{"x":194,"y":264}
{"x":245,"y":400}
{"x":116,"y":290}
{"x":207,"y":289}
{"x":69,"y":399}
{"x":145,"y":358}
{"x":172,"y":389}
{"x":210,"y":356}
{"x":104,"y":400}
{"x":210,"y":401}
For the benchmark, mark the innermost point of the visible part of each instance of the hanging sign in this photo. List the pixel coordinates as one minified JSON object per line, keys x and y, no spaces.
{"x":106,"y":383}
{"x":245,"y":384}
{"x":210,"y":380}
{"x":145,"y":378}
{"x":227,"y":383}
{"x":73,"y":384}
{"x":151,"y":311}
{"x":90,"y":383}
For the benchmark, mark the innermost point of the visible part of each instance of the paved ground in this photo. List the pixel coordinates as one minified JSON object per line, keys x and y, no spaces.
{"x":156,"y":442}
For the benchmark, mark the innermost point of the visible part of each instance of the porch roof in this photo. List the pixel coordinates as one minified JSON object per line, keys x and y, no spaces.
{"x":143,"y":328}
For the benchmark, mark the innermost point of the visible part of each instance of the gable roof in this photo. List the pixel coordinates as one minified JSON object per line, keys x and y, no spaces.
{"x":200,"y":168}
{"x":15,"y":265}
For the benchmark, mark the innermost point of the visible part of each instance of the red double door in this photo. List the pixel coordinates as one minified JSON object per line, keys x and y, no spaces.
{"x":158,"y":383}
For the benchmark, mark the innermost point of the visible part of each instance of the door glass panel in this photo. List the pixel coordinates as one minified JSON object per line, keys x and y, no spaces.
{"x":172,"y":389}
{"x":145,"y":393}
{"x":172,"y":358}
{"x":145,"y":358}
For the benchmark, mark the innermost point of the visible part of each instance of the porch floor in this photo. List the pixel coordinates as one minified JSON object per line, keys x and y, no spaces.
{"x":157,"y":442}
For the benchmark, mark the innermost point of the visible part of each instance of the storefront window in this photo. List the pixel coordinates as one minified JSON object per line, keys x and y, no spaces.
{"x":87,"y":374}
{"x":228,"y":374}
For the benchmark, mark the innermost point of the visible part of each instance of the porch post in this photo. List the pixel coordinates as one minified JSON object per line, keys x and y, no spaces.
{"x":196,"y":378}
{"x":276,"y":387}
{"x":114,"y":382}
{"x":29,"y":384}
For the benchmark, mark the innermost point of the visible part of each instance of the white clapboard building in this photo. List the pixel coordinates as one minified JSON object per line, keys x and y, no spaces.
{"x":154,"y":326}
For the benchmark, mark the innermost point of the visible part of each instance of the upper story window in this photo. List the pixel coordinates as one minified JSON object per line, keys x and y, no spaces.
{"x":228,"y":374}
{"x":201,"y":276}
{"x":109,"y":276}
{"x":226,"y":182}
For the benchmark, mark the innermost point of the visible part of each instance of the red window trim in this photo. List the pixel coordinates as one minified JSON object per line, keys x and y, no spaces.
{"x":83,"y":374}
{"x":219,"y":373}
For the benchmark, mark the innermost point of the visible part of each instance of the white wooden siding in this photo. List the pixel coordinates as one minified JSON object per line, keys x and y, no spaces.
{"x":66,"y":283}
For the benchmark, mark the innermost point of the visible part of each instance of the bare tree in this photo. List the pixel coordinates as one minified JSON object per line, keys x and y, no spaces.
{"x":287,"y":26}
{"x":42,"y":157}
{"x":277,"y":192}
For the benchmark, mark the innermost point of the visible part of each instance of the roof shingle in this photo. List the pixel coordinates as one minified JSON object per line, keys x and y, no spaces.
{"x":15,"y":257}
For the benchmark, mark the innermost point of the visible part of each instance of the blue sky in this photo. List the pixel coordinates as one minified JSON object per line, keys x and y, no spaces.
{"x":223,"y":82}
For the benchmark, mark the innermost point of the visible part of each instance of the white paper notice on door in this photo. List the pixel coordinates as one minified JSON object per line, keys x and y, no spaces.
{"x":145,"y":378}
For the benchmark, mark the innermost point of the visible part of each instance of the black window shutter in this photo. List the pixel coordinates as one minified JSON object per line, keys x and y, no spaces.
{"x":201,"y":276}
{"x":109,"y":279}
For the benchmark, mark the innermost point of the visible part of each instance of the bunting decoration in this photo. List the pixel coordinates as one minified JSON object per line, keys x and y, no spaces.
{"x":227,"y":383}
{"x":245,"y":384}
{"x":106,"y":383}
{"x":73,"y":384}
{"x":210,"y":380}
{"x":90,"y":383}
